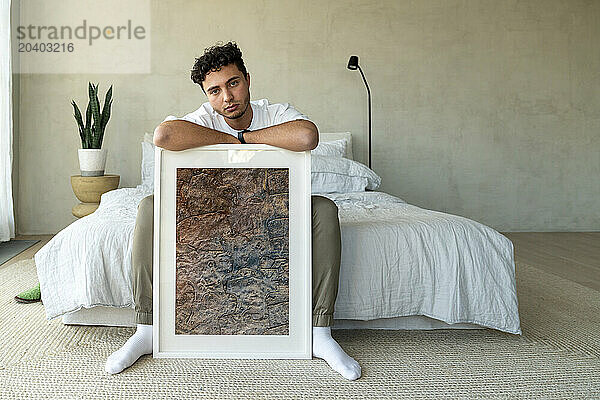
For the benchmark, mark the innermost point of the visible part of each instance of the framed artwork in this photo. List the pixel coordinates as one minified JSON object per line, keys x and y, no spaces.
{"x":232,"y":253}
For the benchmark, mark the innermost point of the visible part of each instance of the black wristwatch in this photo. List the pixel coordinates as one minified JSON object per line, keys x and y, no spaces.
{"x":241,"y":135}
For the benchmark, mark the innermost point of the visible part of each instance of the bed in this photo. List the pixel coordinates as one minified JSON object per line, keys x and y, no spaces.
{"x":402,"y":266}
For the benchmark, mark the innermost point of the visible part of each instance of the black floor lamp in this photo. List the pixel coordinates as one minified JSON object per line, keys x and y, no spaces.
{"x":353,"y":64}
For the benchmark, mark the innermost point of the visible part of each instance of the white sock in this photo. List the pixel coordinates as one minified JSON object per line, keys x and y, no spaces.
{"x":325,"y":347}
{"x":135,"y":347}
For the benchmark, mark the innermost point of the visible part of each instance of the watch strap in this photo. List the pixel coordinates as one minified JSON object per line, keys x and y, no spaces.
{"x":241,"y":135}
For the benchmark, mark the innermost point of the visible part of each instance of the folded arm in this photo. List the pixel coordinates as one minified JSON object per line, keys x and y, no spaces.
{"x":298,"y":135}
{"x":181,"y":135}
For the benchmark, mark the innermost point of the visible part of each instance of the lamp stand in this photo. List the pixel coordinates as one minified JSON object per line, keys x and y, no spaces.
{"x":369,"y":96}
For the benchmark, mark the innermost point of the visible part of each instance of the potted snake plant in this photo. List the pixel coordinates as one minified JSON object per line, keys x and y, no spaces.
{"x":92,"y":158}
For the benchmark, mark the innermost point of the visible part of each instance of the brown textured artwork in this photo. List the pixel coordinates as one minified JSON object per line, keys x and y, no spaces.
{"x":232,"y":251}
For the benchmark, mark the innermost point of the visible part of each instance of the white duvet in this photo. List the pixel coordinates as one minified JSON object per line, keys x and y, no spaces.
{"x":397,"y":260}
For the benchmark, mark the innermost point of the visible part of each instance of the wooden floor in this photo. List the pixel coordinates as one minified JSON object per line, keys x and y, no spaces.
{"x":571,"y":255}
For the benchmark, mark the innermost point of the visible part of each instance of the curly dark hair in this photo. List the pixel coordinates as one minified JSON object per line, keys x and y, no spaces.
{"x":216,"y":57}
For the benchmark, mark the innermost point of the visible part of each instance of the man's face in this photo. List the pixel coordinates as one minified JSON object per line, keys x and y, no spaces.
{"x":228,"y":91}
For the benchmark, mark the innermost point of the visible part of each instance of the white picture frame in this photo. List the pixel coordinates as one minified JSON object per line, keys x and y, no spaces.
{"x":297,"y":344}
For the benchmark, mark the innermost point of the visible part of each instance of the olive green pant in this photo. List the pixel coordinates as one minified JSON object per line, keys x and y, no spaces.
{"x":326,"y":254}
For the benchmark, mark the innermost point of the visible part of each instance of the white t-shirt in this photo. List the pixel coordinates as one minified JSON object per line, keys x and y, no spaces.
{"x":263,"y":116}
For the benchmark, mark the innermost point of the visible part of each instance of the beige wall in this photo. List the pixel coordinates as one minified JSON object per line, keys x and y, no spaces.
{"x":485,"y":109}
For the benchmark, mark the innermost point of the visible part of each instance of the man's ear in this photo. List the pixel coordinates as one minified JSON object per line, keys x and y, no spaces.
{"x":248,"y":78}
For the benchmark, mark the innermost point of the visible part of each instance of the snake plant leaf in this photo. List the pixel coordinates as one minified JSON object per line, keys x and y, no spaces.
{"x":79,"y":120}
{"x":77,"y":114}
{"x":93,"y":95}
{"x":87,"y":128}
{"x":106,"y":110}
{"x":97,"y":122}
{"x":88,"y":135}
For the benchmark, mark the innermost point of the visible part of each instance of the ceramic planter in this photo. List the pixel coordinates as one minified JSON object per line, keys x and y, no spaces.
{"x":92,"y":161}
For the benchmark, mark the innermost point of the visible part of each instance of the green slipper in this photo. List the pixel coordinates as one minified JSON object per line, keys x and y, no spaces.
{"x":30,"y":296}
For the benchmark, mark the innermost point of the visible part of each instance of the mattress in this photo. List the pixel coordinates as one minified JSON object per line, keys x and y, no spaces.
{"x":398,"y":260}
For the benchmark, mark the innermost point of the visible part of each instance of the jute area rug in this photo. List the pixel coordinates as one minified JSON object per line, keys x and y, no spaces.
{"x":557,"y":357}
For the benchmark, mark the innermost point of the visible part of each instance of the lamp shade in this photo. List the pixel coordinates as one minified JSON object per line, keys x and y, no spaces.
{"x":353,"y":62}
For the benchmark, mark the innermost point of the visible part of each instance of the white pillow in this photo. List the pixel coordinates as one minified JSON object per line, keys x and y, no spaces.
{"x":331,"y":136}
{"x":328,"y":173}
{"x":341,"y":175}
{"x":334,"y":148}
{"x":148,"y":160}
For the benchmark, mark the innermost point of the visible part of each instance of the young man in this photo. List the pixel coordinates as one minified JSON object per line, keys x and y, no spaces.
{"x":230,"y":117}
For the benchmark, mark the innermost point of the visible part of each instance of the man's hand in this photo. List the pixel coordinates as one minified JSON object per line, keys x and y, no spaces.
{"x":298,"y":135}
{"x":181,"y":135}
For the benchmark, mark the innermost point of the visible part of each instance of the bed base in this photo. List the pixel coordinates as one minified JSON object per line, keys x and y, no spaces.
{"x":125,"y":317}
